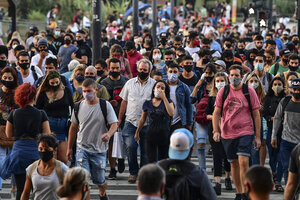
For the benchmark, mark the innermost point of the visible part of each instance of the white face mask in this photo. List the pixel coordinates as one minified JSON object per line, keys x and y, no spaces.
{"x":157,"y":57}
{"x":254,"y":85}
{"x":290,"y":83}
{"x":14,"y":46}
{"x":156,"y":93}
{"x":219,"y":85}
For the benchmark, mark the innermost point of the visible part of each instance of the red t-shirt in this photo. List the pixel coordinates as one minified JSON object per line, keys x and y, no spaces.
{"x":133,"y":59}
{"x":236,"y":119}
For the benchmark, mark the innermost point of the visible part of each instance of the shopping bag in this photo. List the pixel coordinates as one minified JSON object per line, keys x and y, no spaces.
{"x":118,"y":150}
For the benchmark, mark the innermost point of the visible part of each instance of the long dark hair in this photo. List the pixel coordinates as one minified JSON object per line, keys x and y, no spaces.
{"x":271,"y":92}
{"x":167,"y":89}
{"x":8,"y":97}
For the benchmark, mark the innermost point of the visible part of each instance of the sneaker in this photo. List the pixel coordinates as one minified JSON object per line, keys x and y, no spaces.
{"x":218,"y":189}
{"x":132,"y":178}
{"x":105,"y":197}
{"x":112,"y":175}
{"x":121,"y":165}
{"x":228,"y":184}
{"x":245,"y":196}
{"x":238,"y":197}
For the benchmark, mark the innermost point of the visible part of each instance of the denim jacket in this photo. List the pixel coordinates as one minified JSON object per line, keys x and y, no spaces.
{"x":184,"y":105}
{"x":199,"y":95}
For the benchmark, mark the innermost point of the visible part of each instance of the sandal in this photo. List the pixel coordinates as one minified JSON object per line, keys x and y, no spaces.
{"x":279,"y":188}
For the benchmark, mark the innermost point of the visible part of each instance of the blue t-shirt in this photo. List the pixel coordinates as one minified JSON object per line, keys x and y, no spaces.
{"x":65,"y":54}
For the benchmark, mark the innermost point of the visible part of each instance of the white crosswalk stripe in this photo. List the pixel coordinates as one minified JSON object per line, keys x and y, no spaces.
{"x":120,"y":189}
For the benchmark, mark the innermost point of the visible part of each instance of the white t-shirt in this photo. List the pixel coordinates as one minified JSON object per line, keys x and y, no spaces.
{"x":176,"y":116}
{"x":86,"y":23}
{"x":30,"y":78}
{"x":192,"y":50}
{"x":35,"y":59}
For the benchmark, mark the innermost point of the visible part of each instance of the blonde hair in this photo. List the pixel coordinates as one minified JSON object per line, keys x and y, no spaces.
{"x":80,"y":67}
{"x":260,"y":90}
{"x":214,"y":91}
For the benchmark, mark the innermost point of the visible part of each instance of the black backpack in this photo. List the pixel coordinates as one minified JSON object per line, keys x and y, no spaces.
{"x":103,"y":107}
{"x":35,"y":76}
{"x":276,"y":67}
{"x":178,"y":186}
{"x":246,"y":94}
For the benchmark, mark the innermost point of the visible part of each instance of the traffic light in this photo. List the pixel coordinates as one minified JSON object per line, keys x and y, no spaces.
{"x":262,"y":15}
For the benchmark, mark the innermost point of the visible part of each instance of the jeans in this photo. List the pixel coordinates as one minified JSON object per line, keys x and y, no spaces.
{"x":201,"y":132}
{"x":284,"y":155}
{"x":58,"y":126}
{"x":255,"y":152}
{"x":132,"y":146}
{"x":2,"y":156}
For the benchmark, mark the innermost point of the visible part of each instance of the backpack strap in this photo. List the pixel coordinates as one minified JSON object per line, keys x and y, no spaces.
{"x":247,"y":95}
{"x":269,"y":77}
{"x":282,"y":77}
{"x":76,"y":110}
{"x":35,"y":76}
{"x":59,"y":172}
{"x":225,"y":95}
{"x":285,"y":102}
{"x":276,"y":67}
{"x":104,"y":111}
{"x":33,"y":167}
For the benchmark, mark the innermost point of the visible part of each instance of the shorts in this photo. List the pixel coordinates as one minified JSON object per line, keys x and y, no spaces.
{"x":239,"y":146}
{"x":59,"y":127}
{"x":95,"y":163}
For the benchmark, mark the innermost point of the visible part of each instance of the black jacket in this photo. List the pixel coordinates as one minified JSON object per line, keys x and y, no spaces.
{"x":269,"y":108}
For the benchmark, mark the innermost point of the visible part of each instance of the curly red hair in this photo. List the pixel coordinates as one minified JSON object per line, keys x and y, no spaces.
{"x":25,"y":94}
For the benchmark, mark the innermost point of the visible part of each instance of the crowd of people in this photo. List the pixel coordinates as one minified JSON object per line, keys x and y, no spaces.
{"x":224,"y":87}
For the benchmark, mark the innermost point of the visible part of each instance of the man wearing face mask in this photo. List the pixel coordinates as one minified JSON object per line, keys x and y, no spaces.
{"x":29,"y":73}
{"x":180,"y":95}
{"x":65,"y":53}
{"x":169,"y":58}
{"x":134,"y":93}
{"x":283,"y":65}
{"x":289,"y":117}
{"x":83,"y":53}
{"x":194,"y":43}
{"x":58,"y":38}
{"x":265,"y":77}
{"x":234,"y":118}
{"x":201,"y":58}
{"x":133,"y":57}
{"x":114,"y":83}
{"x":163,"y":39}
{"x":188,"y":76}
{"x":95,"y":129}
{"x":294,"y":62}
{"x":44,"y":53}
{"x":118,"y":39}
{"x":102,"y":71}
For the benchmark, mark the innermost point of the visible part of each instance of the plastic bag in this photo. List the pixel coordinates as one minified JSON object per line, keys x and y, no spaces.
{"x":118,"y":150}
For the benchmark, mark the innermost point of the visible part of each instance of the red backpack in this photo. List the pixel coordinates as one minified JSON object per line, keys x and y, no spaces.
{"x":200,"y":116}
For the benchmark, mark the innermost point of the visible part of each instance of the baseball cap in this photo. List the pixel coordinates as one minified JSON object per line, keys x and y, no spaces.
{"x":129,"y":45}
{"x":163,"y":35}
{"x":43,"y":41}
{"x":284,"y":52}
{"x":221,"y":63}
{"x":181,"y":142}
{"x":295,"y":83}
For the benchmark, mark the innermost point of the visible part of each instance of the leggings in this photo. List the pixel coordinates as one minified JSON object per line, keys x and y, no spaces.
{"x":156,"y":152}
{"x":20,"y":182}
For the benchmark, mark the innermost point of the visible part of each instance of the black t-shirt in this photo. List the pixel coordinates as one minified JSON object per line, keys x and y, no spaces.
{"x":57,"y":109}
{"x":84,"y":50}
{"x":27,"y":122}
{"x":191,"y":82}
{"x":114,"y":87}
{"x":58,"y":42}
{"x":295,"y":166}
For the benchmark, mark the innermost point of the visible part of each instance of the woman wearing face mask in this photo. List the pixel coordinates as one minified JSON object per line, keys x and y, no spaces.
{"x":147,"y":44}
{"x":270,"y":59}
{"x":200,"y":97}
{"x":24,"y":124}
{"x":258,"y":156}
{"x":116,"y":51}
{"x":11,"y":54}
{"x":219,"y":155}
{"x":273,"y":97}
{"x":76,"y":185}
{"x":9,"y":83}
{"x":55,"y":99}
{"x":44,"y":176}
{"x":156,"y":59}
{"x":77,"y":77}
{"x":159,"y":110}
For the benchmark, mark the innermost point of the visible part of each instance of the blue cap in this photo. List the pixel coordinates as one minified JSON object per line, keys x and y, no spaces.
{"x":181,"y":142}
{"x":295,"y":83}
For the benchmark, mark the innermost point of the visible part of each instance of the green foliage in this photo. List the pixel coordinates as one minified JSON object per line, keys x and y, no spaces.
{"x":27,"y":6}
{"x":284,"y":6}
{"x":36,"y":15}
{"x":70,"y":7}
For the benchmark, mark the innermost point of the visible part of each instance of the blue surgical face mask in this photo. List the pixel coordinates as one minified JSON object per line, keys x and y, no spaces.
{"x":89,"y":96}
{"x":259,"y":67}
{"x":173,"y":77}
{"x":79,"y":78}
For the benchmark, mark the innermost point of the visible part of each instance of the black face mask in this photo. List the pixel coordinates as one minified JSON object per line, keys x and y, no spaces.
{"x":228,"y":64}
{"x":148,"y":41}
{"x":296,"y":96}
{"x":43,"y":50}
{"x":54,"y":87}
{"x":67,"y":41}
{"x":293,"y":69}
{"x":46,"y":155}
{"x":228,"y":45}
{"x":241,"y":51}
{"x":205,"y":61}
{"x":169,"y":62}
{"x":100,"y":72}
{"x":24,"y":65}
{"x":143,"y":75}
{"x":114,"y":74}
{"x":188,"y":68}
{"x":3,"y":63}
{"x":91,"y":77}
{"x":209,"y":79}
{"x":163,"y":41}
{"x":8,"y":84}
{"x":119,"y":37}
{"x":80,"y":42}
{"x":285,"y":61}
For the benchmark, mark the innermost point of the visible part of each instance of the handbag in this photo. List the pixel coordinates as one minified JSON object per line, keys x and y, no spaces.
{"x":118,"y":150}
{"x":5,"y":141}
